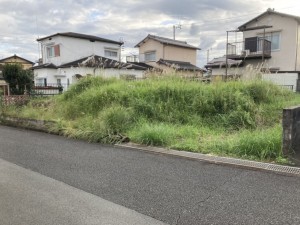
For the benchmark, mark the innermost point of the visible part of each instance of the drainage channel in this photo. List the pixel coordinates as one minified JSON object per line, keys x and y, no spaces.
{"x":287,"y":170}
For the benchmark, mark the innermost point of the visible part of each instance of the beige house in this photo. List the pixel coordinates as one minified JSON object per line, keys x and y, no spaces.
{"x":271,"y":44}
{"x":162,"y":53}
{"x":26,"y":64}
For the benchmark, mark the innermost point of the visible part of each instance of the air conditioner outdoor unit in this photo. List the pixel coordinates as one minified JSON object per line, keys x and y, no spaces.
{"x":245,"y":52}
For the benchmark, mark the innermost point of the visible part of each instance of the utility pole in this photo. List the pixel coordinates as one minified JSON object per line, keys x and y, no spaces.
{"x":226,"y":69}
{"x":207,"y":60}
{"x":174,"y":28}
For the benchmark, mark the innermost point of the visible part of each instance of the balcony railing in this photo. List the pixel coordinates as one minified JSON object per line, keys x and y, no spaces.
{"x":254,"y":47}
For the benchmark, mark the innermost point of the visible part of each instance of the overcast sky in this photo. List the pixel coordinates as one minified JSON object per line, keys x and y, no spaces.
{"x":203,"y":22}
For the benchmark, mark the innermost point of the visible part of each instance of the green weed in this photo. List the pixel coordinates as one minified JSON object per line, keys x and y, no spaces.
{"x":236,"y":118}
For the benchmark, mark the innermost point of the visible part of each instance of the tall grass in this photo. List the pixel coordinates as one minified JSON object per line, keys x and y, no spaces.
{"x":231,"y":118}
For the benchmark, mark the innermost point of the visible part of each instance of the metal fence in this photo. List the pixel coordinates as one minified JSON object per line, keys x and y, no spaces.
{"x":49,"y":90}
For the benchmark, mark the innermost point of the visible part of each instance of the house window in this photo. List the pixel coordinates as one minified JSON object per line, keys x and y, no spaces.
{"x":111,"y":53}
{"x":42,"y":82}
{"x":58,"y":81}
{"x":274,"y":37}
{"x":150,"y":56}
{"x":53,"y":51}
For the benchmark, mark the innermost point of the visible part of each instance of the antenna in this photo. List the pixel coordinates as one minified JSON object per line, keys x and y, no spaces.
{"x":178,"y":26}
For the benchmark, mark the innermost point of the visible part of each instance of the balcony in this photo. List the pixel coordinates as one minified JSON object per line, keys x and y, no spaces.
{"x":251,"y":48}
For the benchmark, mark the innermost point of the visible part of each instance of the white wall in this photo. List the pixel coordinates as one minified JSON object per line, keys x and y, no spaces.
{"x":72,"y":49}
{"x":283,"y":79}
{"x":230,"y":71}
{"x":67,"y":75}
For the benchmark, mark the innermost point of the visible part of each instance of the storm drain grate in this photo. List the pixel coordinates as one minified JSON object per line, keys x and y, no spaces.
{"x":219,"y":160}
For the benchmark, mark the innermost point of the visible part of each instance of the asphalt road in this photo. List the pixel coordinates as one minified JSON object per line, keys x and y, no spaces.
{"x":29,"y":198}
{"x":169,"y":189}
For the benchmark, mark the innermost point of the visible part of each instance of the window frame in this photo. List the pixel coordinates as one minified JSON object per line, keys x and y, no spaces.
{"x":108,"y":53}
{"x":53,"y":51}
{"x":149,"y":56}
{"x":269,"y":36}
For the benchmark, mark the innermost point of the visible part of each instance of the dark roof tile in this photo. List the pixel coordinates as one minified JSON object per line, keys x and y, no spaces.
{"x":81,"y":36}
{"x":167,"y":41}
{"x":179,"y":65}
{"x":96,"y":61}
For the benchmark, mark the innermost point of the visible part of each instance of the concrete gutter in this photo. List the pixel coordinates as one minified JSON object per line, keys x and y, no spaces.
{"x":247,"y":164}
{"x":45,"y":126}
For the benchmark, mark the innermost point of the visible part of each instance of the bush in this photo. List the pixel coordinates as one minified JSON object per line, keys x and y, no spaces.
{"x":19,"y":80}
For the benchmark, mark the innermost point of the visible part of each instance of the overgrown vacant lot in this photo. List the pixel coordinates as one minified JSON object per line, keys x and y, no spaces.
{"x":238,"y":118}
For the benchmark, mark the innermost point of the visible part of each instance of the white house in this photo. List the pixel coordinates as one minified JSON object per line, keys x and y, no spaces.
{"x":68,"y":56}
{"x":63,"y":48}
{"x":270,"y":44}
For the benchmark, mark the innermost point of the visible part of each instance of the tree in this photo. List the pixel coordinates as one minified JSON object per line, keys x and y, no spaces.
{"x":19,"y":79}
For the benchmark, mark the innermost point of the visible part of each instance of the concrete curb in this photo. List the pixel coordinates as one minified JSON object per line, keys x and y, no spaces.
{"x":30,"y":124}
{"x":246,"y":164}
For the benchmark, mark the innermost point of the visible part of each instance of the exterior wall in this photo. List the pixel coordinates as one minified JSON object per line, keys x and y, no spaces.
{"x":298,"y":49}
{"x":236,"y":71}
{"x":167,"y":52}
{"x":72,"y":49}
{"x":285,"y":58}
{"x":180,"y":54}
{"x":24,"y":63}
{"x":67,"y":75}
{"x":45,"y":73}
{"x":150,"y":46}
{"x":288,"y":80}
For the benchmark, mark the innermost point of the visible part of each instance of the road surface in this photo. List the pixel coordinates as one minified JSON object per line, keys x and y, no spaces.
{"x":168,"y":189}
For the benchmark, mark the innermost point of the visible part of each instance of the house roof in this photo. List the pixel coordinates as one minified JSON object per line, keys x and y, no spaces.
{"x":45,"y":66}
{"x":102,"y":62}
{"x":179,"y":65}
{"x":221,"y":62}
{"x":142,"y":65}
{"x":81,"y":36}
{"x":167,"y":41}
{"x":268,"y":12}
{"x":14,"y":57}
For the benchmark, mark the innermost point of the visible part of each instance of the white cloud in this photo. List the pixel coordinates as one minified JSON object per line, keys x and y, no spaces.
{"x":204,"y":23}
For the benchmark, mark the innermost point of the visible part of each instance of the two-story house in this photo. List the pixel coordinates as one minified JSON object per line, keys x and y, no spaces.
{"x":163,"y":53}
{"x":69,"y":56}
{"x":271,"y":43}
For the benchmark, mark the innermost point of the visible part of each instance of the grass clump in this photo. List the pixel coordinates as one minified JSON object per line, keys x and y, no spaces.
{"x":234,"y":118}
